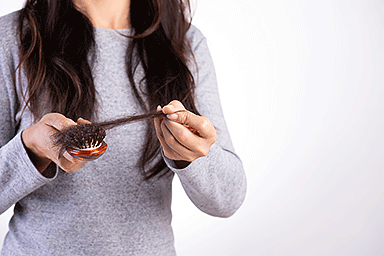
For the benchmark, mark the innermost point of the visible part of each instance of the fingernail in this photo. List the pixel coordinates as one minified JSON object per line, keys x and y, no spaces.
{"x":172,"y":117}
{"x":158,"y":108}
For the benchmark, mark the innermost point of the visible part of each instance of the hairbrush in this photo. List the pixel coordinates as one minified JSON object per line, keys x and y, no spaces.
{"x":86,"y":141}
{"x":82,"y":141}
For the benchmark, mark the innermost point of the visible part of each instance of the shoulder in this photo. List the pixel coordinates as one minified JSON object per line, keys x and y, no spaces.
{"x":8,"y":28}
{"x":195,"y":36}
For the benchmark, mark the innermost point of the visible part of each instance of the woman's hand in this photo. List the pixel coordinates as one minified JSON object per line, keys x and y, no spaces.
{"x":183,"y":135}
{"x":37,"y":140}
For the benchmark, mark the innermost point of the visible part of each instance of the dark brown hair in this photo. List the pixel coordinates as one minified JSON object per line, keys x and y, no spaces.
{"x":56,"y":41}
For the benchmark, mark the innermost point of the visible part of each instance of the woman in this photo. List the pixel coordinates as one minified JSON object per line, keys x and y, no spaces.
{"x":65,"y":60}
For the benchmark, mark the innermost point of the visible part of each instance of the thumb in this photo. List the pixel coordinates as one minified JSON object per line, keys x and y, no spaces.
{"x":197,"y":124}
{"x":57,"y":121}
{"x":81,"y":120}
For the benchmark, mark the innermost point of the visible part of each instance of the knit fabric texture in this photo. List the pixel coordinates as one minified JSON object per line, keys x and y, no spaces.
{"x":106,"y":207}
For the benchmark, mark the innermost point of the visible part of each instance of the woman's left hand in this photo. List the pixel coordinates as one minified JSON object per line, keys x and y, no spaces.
{"x":183,"y":135}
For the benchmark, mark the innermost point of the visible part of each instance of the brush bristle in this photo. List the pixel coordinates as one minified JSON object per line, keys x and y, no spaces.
{"x":81,"y":136}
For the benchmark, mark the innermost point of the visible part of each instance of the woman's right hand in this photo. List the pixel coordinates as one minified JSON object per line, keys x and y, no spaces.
{"x":37,"y":140}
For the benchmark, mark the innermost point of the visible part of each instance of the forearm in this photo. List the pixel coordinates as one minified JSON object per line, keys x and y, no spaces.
{"x":216,"y":183}
{"x":18,"y":176}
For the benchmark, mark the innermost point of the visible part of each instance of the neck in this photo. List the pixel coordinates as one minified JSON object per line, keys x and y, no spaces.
{"x":110,"y":14}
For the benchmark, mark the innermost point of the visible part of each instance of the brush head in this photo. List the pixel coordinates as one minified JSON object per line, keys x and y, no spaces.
{"x":85,"y":141}
{"x":82,"y":141}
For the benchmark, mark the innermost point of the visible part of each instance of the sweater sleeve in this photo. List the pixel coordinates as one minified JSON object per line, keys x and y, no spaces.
{"x":216,"y":183}
{"x":18,"y":176}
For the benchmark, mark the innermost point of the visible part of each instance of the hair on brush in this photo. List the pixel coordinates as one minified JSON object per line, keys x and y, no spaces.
{"x":81,"y":137}
{"x":86,"y":141}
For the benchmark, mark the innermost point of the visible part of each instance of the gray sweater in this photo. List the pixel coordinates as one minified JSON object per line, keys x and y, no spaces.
{"x":105,"y":207}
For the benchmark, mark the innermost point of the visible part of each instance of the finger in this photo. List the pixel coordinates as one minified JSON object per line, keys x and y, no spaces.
{"x":68,"y":157}
{"x":196,"y":144}
{"x":57,"y":121}
{"x":182,"y":134}
{"x":82,"y":121}
{"x":67,"y":162}
{"x":168,"y":152}
{"x":203,"y":127}
{"x":157,"y":122}
{"x":173,"y":106}
{"x":177,"y":148}
{"x":69,"y":166}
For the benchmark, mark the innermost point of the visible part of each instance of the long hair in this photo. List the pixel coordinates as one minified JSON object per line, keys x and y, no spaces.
{"x":57,"y":42}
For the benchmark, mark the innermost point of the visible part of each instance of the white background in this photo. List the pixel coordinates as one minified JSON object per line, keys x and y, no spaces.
{"x":302,"y":88}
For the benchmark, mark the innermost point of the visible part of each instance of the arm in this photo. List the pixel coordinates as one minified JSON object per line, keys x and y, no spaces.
{"x":214,"y":180}
{"x":25,"y":156}
{"x":18,"y":176}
